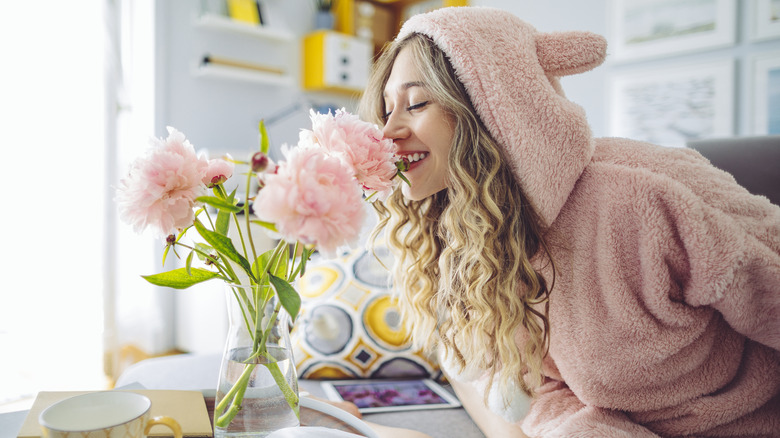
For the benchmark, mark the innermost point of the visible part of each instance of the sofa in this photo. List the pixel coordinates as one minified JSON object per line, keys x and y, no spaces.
{"x":754,"y":162}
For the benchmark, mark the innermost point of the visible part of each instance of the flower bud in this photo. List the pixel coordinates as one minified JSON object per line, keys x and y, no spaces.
{"x":217,"y":180}
{"x":170,"y":240}
{"x":259,"y":162}
{"x":402,"y":164}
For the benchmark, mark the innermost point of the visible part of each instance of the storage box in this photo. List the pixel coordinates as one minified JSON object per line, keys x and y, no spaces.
{"x":334,"y":61}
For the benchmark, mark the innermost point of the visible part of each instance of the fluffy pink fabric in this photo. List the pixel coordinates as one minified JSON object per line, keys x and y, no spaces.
{"x":665,"y":315}
{"x":496,"y":56}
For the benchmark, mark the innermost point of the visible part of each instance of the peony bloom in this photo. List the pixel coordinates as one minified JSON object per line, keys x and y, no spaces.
{"x":218,"y":172}
{"x":359,"y":144}
{"x":314,"y":199}
{"x":161,"y":187}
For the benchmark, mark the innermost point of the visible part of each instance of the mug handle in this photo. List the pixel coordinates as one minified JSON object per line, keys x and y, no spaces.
{"x":164,"y":421}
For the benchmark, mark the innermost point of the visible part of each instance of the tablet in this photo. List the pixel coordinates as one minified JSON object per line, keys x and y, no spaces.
{"x":390,"y":395}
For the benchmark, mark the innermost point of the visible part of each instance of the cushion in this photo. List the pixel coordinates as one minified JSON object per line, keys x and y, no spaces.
{"x":350,"y":325}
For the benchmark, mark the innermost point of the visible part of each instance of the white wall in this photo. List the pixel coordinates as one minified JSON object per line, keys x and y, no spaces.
{"x":221,"y":115}
{"x":591,"y":89}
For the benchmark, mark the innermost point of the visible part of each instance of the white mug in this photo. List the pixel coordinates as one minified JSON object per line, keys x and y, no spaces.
{"x":105,"y":414}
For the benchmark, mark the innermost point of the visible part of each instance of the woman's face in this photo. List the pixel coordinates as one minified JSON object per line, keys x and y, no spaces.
{"x":420,"y":128}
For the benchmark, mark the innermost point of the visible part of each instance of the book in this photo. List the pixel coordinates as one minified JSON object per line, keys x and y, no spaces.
{"x":390,"y":395}
{"x":247,"y":11}
{"x":186,"y":407}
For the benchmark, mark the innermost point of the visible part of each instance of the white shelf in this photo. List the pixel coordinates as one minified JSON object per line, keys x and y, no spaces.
{"x":225,"y":24}
{"x":241,"y":74}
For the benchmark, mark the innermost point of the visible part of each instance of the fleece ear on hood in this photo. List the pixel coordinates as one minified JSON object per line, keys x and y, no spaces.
{"x":510,"y":72}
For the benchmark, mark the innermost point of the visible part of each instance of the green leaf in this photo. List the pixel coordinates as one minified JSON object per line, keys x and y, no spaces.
{"x":204,"y":249}
{"x":223,"y":222}
{"x":223,"y":217}
{"x":165,"y":253}
{"x":223,"y":245}
{"x":289,"y":298}
{"x":179,"y":279}
{"x":263,"y":137}
{"x":219,"y":203}
{"x":305,"y":256}
{"x":269,"y":225}
{"x":259,"y":266}
{"x":188,"y":266}
{"x":281,"y":268}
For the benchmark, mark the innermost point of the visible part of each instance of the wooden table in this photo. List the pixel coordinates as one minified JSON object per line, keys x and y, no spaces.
{"x":309,"y":417}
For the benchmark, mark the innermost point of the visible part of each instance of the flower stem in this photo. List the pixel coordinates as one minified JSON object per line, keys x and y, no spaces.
{"x":260,"y":345}
{"x":289,"y":395}
{"x":246,"y":216}
{"x":241,"y":235}
{"x":235,"y":397}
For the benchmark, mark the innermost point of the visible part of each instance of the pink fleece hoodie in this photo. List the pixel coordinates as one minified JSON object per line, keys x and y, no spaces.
{"x":665,"y":314}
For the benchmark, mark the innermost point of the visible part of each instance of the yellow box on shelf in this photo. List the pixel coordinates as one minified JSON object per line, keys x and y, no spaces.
{"x":334,"y":61}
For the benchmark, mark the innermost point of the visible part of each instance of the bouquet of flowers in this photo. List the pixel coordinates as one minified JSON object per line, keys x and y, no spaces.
{"x":313,"y":199}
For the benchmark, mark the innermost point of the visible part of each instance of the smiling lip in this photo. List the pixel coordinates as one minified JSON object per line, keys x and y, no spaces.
{"x":414,"y":158}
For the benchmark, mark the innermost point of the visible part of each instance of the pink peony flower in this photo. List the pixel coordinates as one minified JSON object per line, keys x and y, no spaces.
{"x":161,"y":187}
{"x":359,"y":144}
{"x":314,"y":199}
{"x":218,"y":172}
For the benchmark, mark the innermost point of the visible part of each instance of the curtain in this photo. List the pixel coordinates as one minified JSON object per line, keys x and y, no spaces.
{"x":139,"y":318}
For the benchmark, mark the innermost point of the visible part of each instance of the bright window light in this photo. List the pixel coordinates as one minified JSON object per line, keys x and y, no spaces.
{"x":52,"y":115}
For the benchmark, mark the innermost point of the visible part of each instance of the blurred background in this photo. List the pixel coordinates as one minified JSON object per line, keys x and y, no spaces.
{"x":84,"y":85}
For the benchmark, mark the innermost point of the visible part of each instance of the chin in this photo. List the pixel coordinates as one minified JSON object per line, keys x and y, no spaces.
{"x":410,"y":194}
{"x":417,"y":195}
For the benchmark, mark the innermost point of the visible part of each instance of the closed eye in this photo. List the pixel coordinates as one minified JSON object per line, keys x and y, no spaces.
{"x":416,"y":106}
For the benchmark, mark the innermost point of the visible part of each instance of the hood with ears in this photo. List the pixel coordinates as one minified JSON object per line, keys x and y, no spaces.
{"x":510,"y":72}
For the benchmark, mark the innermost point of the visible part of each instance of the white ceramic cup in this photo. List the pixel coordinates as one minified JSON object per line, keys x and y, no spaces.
{"x":105,"y":414}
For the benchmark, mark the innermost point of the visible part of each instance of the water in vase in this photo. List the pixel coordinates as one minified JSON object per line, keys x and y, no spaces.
{"x":264,"y":408}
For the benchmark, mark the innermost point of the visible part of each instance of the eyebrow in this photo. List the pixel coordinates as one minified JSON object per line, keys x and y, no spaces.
{"x":407,"y":85}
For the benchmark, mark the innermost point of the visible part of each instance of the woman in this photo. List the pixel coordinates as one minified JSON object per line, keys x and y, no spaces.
{"x":630,"y":289}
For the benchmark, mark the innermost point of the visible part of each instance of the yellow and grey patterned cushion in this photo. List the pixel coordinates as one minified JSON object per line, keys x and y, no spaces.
{"x":350,"y":326}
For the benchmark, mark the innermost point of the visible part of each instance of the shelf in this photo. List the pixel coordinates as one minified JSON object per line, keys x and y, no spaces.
{"x":225,"y":24}
{"x":242,"y":74}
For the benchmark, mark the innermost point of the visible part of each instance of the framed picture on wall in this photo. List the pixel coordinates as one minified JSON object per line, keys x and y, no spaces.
{"x":765,"y":94}
{"x":765,"y":16}
{"x":651,"y":28}
{"x":674,"y":105}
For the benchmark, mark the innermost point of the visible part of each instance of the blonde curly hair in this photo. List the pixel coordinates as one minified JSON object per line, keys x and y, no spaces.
{"x":463,"y":265}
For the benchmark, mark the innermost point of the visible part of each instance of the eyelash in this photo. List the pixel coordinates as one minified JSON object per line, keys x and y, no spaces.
{"x":409,"y":108}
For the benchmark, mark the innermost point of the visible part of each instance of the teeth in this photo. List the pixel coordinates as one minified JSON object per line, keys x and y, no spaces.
{"x":416,"y":157}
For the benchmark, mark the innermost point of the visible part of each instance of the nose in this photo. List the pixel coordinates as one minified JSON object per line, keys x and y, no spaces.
{"x":395,"y":128}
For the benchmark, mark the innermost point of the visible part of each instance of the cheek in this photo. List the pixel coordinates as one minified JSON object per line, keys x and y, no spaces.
{"x":442,"y":147}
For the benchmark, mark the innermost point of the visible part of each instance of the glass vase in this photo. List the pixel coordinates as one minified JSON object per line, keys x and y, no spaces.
{"x":257,"y":392}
